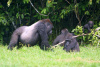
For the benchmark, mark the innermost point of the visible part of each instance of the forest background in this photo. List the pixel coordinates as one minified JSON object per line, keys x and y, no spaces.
{"x":63,"y":14}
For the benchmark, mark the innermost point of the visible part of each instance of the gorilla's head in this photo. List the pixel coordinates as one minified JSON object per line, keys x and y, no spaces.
{"x":67,"y":42}
{"x":90,"y":23}
{"x":49,"y":26}
{"x":64,"y":31}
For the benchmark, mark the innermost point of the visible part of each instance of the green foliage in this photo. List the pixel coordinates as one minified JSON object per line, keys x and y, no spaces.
{"x":97,"y":1}
{"x":26,"y":1}
{"x":50,"y":3}
{"x":61,"y":13}
{"x":93,"y":38}
{"x":87,"y":13}
{"x":9,"y":2}
{"x":17,"y":15}
{"x":3,"y":22}
{"x":90,"y":2}
{"x":66,"y":11}
{"x":3,"y":19}
{"x":78,"y":30}
{"x":76,"y":5}
{"x":44,"y":11}
{"x":1,"y":6}
{"x":22,"y":16}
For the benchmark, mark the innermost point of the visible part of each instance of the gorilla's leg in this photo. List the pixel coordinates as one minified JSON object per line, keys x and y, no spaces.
{"x":18,"y":44}
{"x":44,"y":37}
{"x":67,"y":45}
{"x":13,"y":41}
{"x":68,"y":49}
{"x":76,"y":48}
{"x":42,"y":46}
{"x":89,"y":30}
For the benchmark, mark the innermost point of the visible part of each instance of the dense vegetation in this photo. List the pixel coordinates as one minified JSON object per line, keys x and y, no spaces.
{"x":63,"y":14}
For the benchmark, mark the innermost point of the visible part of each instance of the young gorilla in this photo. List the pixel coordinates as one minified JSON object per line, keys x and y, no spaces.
{"x":38,"y":31}
{"x":88,"y":26}
{"x":60,"y":37}
{"x":70,"y":43}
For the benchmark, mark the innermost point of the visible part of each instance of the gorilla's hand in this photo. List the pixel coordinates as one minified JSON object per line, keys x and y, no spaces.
{"x":45,"y":45}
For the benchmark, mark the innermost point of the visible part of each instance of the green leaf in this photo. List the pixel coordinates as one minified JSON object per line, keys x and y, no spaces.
{"x":1,"y":6}
{"x":25,"y":1}
{"x":35,"y":15}
{"x":97,"y":1}
{"x":83,"y":38}
{"x":17,"y":15}
{"x":22,"y":16}
{"x":43,"y":11}
{"x":87,"y":13}
{"x":9,"y":2}
{"x":90,"y":2}
{"x":62,"y":16}
{"x":2,"y":33}
{"x":7,"y":29}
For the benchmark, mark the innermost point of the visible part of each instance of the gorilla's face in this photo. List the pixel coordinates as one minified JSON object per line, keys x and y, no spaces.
{"x":90,"y":23}
{"x":64,"y":31}
{"x":67,"y":42}
{"x":49,"y":28}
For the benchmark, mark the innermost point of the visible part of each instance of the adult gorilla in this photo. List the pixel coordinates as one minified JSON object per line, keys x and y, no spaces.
{"x":70,"y":43}
{"x":38,"y":31}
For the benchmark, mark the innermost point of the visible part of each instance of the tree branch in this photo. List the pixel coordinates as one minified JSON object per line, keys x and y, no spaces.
{"x":58,"y":44}
{"x":9,"y":17}
{"x":19,"y":15}
{"x":72,"y":38}
{"x":11,"y":20}
{"x":67,"y":1}
{"x":64,"y":40}
{"x":37,"y":10}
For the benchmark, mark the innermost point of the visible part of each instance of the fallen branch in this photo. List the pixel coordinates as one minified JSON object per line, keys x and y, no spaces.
{"x":80,"y":35}
{"x":64,"y":40}
{"x":58,"y":44}
{"x":76,"y":37}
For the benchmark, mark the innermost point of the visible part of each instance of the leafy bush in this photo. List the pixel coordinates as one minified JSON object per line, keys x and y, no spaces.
{"x":89,"y":38}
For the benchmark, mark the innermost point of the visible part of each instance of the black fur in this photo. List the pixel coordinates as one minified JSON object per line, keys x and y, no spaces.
{"x":70,"y":44}
{"x":38,"y":31}
{"x":88,"y":26}
{"x":60,"y":37}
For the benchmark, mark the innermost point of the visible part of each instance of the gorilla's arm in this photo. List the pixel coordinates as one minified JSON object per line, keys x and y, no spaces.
{"x":89,"y":30}
{"x":70,"y":44}
{"x":56,"y":41}
{"x":43,"y":34}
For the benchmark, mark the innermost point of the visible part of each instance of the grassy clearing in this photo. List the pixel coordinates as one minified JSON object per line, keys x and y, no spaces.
{"x":35,"y":57}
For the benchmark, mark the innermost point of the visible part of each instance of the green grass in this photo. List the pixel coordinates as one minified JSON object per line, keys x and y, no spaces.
{"x":35,"y":57}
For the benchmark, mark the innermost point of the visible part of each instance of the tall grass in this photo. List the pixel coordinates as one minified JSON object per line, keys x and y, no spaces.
{"x":35,"y":57}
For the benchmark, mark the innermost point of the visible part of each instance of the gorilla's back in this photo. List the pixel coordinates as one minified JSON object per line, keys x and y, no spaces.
{"x":30,"y":35}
